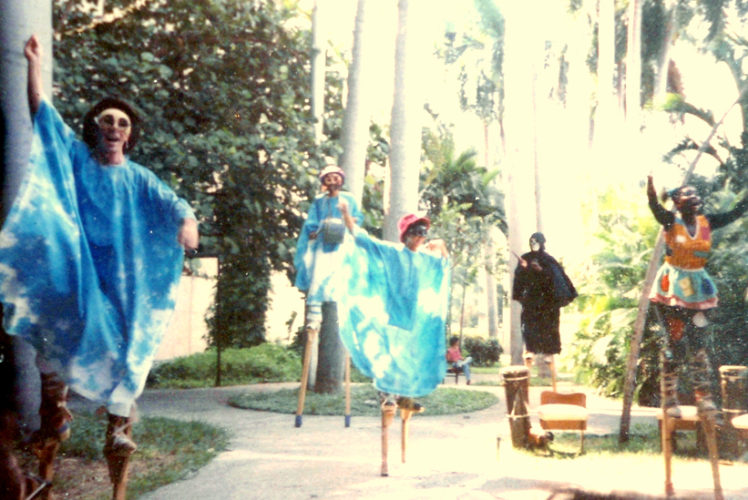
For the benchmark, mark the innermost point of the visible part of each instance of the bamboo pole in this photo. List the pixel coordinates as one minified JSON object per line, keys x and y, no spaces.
{"x":628,"y":388}
{"x":708,"y":424}
{"x":388,"y":415}
{"x":347,"y":389}
{"x":310,"y":336}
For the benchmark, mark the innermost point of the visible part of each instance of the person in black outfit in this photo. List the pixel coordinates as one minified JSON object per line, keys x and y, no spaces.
{"x":543,"y":288}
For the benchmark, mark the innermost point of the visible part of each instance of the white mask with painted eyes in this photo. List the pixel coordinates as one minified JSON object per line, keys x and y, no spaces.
{"x":112,"y":118}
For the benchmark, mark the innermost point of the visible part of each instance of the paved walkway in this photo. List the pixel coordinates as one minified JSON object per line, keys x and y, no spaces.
{"x":449,"y":457}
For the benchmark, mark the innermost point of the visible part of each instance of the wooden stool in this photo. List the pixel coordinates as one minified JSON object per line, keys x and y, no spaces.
{"x":559,"y":411}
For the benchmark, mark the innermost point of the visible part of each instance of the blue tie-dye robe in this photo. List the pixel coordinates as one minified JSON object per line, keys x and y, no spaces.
{"x":90,"y":264}
{"x":318,"y":263}
{"x":393,"y":315}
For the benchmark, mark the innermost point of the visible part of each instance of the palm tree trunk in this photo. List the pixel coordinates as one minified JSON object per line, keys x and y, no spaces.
{"x":318,"y":74}
{"x":405,"y":126}
{"x":19,"y":19}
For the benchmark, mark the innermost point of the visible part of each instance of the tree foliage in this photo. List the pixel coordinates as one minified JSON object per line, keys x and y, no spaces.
{"x":223,"y":87}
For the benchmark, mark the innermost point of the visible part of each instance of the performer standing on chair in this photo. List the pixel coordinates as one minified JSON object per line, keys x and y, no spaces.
{"x":90,"y":260}
{"x":543,"y":288}
{"x":684,"y":293}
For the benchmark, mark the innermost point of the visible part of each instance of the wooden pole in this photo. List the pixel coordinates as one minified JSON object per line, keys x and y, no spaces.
{"x":388,"y":415}
{"x":310,"y":336}
{"x":666,"y":432}
{"x":405,"y":417}
{"x":628,"y":387}
{"x":708,"y":424}
{"x":347,"y":389}
{"x":553,"y":372}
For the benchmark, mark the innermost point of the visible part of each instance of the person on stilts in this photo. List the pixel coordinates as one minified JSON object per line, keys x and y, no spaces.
{"x":683,"y":296}
{"x":318,"y":260}
{"x":91,"y":254}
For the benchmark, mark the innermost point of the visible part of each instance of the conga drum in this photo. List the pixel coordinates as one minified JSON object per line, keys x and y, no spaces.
{"x":733,"y":384}
{"x":517,"y":387}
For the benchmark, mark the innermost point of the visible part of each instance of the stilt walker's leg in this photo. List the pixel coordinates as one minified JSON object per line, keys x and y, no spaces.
{"x":347,"y":389}
{"x":707,"y":414}
{"x":388,"y":415}
{"x":118,"y":447}
{"x":310,"y":336}
{"x":667,"y":427}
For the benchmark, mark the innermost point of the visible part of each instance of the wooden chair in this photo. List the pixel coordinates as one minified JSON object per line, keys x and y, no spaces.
{"x":689,"y":421}
{"x":560,"y":411}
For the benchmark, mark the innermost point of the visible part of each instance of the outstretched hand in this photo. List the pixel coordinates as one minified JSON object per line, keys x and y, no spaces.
{"x":188,"y":236}
{"x":33,"y":50}
{"x":651,"y":193}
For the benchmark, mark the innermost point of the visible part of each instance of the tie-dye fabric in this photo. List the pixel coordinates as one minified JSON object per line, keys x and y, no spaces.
{"x":89,"y":264}
{"x":393,"y":315}
{"x":318,"y":263}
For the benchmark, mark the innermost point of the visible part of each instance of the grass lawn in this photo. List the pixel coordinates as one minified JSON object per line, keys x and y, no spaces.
{"x":364,"y":401}
{"x":168,"y":450}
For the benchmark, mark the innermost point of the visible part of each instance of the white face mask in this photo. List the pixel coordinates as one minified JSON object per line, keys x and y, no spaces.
{"x":113,"y":118}
{"x":534,"y":245}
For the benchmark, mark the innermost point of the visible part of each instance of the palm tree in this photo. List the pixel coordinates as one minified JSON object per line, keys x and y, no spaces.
{"x":18,"y":20}
{"x":405,"y":126}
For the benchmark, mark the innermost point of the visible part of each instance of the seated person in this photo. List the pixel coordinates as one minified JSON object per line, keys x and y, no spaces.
{"x":454,"y":358}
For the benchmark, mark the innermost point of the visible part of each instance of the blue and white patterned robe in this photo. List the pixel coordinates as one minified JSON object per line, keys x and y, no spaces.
{"x":393,"y":315}
{"x":90,"y":264}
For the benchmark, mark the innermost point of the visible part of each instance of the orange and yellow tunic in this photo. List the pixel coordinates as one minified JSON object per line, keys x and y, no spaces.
{"x":682,"y":280}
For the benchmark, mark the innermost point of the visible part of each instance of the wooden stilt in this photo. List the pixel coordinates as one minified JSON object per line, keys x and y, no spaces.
{"x":347,"y":389}
{"x":553,"y":372}
{"x":667,"y":450}
{"x":388,"y":415}
{"x":405,"y":417}
{"x":118,"y":458}
{"x":310,"y":337}
{"x":47,"y":452}
{"x":708,"y":424}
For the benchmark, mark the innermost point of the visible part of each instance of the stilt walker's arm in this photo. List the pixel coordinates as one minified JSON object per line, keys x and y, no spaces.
{"x":310,"y":336}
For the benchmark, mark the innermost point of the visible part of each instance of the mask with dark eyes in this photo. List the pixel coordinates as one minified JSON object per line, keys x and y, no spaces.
{"x":417,"y":230}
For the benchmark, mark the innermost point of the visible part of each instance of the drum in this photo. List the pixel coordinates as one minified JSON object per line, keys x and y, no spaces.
{"x":733,"y":380}
{"x":516,"y":388}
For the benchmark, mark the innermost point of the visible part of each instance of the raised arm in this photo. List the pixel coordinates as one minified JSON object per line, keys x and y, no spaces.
{"x":663,"y":216}
{"x":717,"y":221}
{"x":347,"y":219}
{"x":33,"y":52}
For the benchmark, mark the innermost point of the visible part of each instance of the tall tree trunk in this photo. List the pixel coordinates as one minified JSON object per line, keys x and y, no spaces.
{"x":318,"y":74}
{"x":520,"y":54}
{"x":663,"y":64}
{"x":606,"y":100}
{"x":357,"y":111}
{"x":492,"y":316}
{"x":634,"y":65}
{"x":355,"y":141}
{"x":405,"y":125}
{"x":19,"y":19}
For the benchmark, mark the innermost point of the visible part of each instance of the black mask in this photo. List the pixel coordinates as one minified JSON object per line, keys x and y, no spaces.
{"x":418,"y":230}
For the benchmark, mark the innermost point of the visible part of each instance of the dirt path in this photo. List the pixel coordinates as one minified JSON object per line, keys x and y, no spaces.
{"x":449,"y":457}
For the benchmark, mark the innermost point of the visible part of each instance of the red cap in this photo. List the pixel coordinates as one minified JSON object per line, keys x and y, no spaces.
{"x":408,"y":220}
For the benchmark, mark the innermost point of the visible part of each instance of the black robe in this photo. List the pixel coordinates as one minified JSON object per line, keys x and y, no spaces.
{"x":542,"y":295}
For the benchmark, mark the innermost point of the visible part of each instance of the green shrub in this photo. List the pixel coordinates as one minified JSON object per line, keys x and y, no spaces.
{"x":485,"y":352}
{"x":263,"y":363}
